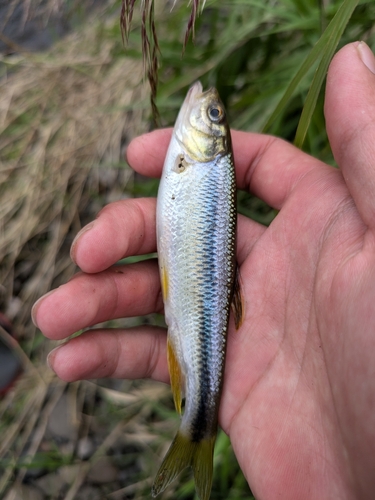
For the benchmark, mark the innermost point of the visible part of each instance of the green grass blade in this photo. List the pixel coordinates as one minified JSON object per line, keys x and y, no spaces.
{"x":339,"y":21}
{"x":331,"y":38}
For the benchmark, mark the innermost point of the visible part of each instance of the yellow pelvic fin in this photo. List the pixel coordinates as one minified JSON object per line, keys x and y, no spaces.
{"x":238,"y":303}
{"x":184,"y":453}
{"x":164,"y":282}
{"x":177,"y":379}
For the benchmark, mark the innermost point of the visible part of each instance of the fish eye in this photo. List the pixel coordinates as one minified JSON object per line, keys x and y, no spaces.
{"x":215,"y":113}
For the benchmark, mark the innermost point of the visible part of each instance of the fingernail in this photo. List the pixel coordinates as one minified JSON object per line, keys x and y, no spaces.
{"x":73,"y":248}
{"x":51,"y":357}
{"x":367,"y":56}
{"x":35,"y":307}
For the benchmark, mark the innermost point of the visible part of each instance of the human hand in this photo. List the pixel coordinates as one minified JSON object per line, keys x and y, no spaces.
{"x":299,"y":388}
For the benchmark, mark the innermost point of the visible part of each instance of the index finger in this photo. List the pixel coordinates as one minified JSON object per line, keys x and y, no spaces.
{"x":105,"y":240}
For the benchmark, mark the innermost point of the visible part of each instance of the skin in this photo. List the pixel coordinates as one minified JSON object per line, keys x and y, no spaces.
{"x":299,"y":390}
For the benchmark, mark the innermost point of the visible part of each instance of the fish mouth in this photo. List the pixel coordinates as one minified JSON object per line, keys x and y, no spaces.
{"x":193,"y":95}
{"x":194,"y":90}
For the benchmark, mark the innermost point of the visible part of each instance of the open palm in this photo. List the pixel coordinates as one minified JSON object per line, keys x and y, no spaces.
{"x":299,"y":389}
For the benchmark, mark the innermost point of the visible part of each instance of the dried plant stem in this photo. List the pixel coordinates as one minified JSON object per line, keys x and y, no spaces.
{"x":150,"y":45}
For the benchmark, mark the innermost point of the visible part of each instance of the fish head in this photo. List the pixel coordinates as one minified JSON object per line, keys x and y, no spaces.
{"x":201,"y":127}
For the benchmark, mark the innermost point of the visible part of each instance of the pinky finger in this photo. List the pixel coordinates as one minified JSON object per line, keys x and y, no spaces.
{"x":134,"y":353}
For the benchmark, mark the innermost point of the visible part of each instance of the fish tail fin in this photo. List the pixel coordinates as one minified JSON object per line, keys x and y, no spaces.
{"x":185,"y":453}
{"x":203,"y":467}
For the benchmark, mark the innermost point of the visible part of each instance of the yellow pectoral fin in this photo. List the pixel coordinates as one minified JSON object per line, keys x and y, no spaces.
{"x":164,"y":282}
{"x":177,"y":379}
{"x":238,"y":304}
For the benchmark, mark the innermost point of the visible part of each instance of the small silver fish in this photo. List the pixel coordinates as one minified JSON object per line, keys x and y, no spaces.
{"x":196,"y":238}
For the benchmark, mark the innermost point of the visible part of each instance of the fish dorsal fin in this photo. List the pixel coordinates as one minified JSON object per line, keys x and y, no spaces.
{"x":177,"y":379}
{"x":238,"y":304}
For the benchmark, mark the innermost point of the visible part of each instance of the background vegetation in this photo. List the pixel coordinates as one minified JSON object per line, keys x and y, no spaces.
{"x":66,"y":116}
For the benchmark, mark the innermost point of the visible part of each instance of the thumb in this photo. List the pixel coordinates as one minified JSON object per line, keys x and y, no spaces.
{"x":350,"y":118}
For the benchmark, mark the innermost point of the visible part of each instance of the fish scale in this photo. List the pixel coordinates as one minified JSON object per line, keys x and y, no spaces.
{"x":196,"y":235}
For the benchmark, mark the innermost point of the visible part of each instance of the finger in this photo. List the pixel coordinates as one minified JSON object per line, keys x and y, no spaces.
{"x":128,"y":228}
{"x":268,"y":167}
{"x":121,"y":229}
{"x":350,"y":111}
{"x":88,"y":299}
{"x":134,"y":353}
{"x":146,"y":153}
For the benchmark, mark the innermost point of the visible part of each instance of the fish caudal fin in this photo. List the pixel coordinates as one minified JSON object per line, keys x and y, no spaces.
{"x":203,"y":467}
{"x":185,"y":453}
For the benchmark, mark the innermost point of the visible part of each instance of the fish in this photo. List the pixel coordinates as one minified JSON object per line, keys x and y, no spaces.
{"x":196,"y":242}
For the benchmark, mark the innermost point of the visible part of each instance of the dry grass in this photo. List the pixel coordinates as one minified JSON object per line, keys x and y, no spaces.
{"x":65,"y":118}
{"x":62,"y":118}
